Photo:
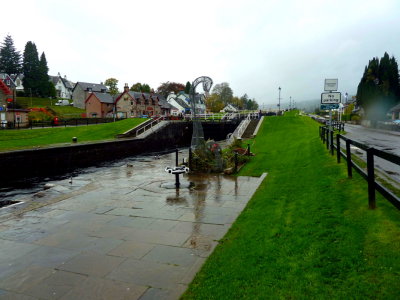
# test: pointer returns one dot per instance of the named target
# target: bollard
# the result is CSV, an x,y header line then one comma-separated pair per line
x,y
74,139
190,158
236,162
248,149
177,183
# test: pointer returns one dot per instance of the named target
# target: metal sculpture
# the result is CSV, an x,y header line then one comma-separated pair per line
x,y
198,142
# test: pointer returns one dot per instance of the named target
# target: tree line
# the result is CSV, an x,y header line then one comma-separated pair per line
x,y
379,88
33,68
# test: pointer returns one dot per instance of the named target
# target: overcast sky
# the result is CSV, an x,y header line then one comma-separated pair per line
x,y
255,46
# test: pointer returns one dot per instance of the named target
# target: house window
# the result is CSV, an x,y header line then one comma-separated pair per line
x,y
131,102
8,82
89,89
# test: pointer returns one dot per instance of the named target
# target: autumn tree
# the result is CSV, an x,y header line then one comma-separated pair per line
x,y
224,92
214,103
112,85
10,58
167,87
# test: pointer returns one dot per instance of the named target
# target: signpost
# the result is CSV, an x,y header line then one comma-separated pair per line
x,y
331,85
331,99
329,106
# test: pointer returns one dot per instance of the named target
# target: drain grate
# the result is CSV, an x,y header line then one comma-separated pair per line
x,y
7,203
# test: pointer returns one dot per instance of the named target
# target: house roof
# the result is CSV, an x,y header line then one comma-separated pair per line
x,y
5,77
135,95
54,79
103,97
395,108
96,87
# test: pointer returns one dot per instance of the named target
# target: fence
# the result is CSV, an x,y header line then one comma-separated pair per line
x,y
327,136
59,123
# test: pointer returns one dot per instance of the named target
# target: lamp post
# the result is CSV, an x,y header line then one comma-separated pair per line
x,y
279,103
290,103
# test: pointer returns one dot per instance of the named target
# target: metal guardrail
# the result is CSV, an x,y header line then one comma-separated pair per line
x,y
327,136
147,126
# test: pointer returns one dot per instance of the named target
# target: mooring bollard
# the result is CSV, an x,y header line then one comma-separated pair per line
x,y
236,162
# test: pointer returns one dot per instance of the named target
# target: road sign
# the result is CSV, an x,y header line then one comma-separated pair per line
x,y
331,98
331,85
329,106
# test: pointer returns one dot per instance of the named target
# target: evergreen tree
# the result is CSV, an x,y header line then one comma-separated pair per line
x,y
10,58
44,84
379,88
31,69
187,87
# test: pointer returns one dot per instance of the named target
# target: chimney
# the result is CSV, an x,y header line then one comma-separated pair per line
x,y
126,88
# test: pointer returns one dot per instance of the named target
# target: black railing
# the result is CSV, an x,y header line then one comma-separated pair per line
x,y
327,136
58,123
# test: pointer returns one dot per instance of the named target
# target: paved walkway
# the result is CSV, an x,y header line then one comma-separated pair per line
x,y
114,233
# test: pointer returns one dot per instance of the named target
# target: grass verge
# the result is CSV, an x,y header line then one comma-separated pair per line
x,y
307,233
30,138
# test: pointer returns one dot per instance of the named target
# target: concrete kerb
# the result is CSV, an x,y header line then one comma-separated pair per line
x,y
258,126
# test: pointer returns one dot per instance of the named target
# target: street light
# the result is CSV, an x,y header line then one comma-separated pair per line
x,y
279,104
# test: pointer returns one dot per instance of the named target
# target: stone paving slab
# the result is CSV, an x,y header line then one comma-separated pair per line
x,y
114,233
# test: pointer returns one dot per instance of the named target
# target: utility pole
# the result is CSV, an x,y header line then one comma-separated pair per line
x,y
290,103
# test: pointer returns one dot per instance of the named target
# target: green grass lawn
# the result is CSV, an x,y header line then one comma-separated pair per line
x,y
307,233
68,112
30,138
26,102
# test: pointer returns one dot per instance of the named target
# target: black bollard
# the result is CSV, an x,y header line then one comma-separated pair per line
x,y
190,158
236,162
177,184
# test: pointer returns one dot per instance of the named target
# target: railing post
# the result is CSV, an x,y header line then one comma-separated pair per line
x,y
327,138
332,147
349,163
323,134
338,148
371,178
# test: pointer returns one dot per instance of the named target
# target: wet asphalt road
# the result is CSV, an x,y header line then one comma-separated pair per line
x,y
388,141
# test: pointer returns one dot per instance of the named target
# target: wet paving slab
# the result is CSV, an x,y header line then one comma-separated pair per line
x,y
114,232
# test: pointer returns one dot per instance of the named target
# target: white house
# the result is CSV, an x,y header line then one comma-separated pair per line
x,y
63,86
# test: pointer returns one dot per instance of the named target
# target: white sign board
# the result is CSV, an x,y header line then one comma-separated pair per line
x,y
331,85
331,98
